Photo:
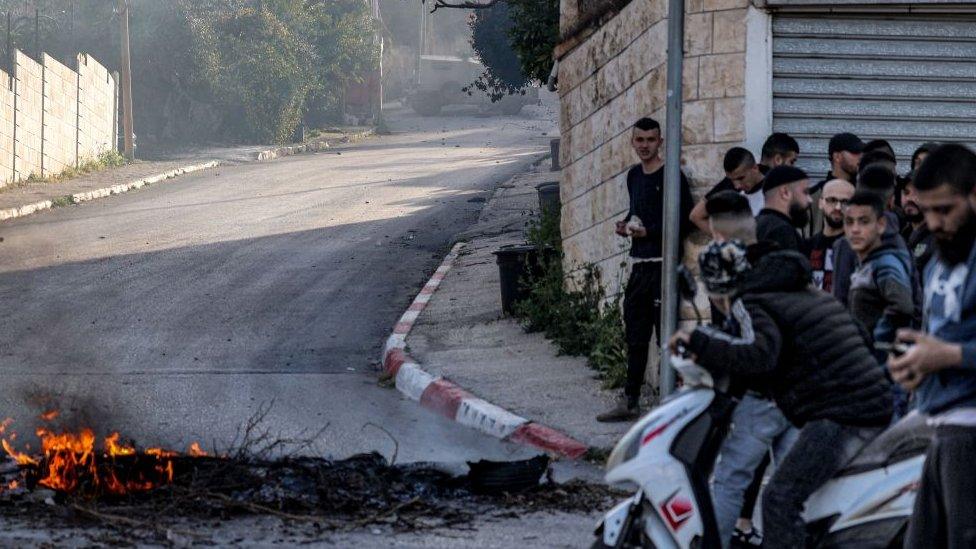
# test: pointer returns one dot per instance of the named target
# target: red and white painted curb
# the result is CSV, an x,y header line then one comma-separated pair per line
x,y
449,400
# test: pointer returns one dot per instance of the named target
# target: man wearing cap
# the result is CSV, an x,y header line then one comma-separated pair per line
x,y
844,152
787,195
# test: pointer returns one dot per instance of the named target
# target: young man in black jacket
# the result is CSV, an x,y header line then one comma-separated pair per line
x,y
802,348
644,225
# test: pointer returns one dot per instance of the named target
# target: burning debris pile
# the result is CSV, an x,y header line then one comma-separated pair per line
x,y
74,475
74,463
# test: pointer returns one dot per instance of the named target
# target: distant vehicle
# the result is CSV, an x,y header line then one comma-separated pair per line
x,y
442,82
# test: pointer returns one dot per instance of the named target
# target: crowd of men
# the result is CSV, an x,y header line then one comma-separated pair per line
x,y
848,301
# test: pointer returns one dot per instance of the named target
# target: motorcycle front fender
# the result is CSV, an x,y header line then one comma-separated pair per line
x,y
632,513
614,521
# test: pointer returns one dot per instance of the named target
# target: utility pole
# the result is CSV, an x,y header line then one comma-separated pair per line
x,y
672,189
129,150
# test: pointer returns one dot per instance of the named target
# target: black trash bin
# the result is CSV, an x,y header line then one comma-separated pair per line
x,y
549,197
514,263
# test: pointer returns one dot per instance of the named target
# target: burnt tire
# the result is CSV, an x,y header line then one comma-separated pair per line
x,y
494,478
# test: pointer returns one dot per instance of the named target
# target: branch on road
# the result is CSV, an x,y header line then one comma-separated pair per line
x,y
466,5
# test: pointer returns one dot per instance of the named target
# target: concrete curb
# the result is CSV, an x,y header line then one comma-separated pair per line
x,y
453,402
28,209
315,146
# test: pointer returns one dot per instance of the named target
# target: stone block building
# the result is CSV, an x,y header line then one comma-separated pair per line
x,y
903,72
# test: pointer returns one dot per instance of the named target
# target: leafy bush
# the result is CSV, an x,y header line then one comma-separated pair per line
x,y
515,40
580,322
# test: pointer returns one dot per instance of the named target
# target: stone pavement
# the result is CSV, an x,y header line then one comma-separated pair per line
x,y
463,336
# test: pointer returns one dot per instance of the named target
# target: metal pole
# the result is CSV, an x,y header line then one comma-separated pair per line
x,y
129,150
672,189
10,46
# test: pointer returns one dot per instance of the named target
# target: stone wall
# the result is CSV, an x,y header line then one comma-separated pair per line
x,y
29,114
619,74
97,108
60,117
6,127
53,118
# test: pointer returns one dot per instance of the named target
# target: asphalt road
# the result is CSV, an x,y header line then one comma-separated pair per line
x,y
175,313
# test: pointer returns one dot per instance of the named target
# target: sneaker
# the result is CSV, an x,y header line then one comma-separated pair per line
x,y
746,540
623,411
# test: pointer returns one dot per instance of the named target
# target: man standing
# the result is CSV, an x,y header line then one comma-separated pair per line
x,y
881,287
644,225
833,199
779,150
915,232
844,152
787,195
940,363
880,180
742,174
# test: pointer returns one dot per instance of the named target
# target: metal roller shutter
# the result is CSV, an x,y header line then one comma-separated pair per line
x,y
907,79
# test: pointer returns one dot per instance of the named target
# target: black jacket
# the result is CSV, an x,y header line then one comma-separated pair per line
x,y
812,357
646,193
773,226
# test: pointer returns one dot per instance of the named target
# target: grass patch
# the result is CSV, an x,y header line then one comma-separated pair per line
x,y
110,159
62,201
581,321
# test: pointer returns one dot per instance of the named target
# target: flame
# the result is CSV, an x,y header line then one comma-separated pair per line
x,y
50,415
116,449
74,461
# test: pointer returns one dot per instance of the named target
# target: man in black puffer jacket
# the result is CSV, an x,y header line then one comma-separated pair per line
x,y
802,348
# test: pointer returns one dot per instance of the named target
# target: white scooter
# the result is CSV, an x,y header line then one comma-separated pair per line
x,y
668,456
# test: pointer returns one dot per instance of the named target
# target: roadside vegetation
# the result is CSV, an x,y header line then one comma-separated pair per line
x,y
515,40
109,159
577,318
248,71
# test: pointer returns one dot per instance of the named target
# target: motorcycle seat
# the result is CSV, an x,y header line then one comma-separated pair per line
x,y
908,438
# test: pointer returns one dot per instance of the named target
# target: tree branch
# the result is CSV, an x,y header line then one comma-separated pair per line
x,y
467,5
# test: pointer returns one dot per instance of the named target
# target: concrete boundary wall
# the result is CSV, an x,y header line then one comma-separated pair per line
x,y
53,117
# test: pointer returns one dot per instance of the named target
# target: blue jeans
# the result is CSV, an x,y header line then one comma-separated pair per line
x,y
757,427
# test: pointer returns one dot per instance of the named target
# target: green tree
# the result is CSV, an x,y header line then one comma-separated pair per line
x,y
515,40
264,60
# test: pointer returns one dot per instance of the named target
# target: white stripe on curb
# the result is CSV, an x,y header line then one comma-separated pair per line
x,y
446,398
486,417
412,381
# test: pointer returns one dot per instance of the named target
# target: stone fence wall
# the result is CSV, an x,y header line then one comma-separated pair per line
x,y
53,117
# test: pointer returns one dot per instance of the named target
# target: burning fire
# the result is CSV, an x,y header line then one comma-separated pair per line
x,y
73,461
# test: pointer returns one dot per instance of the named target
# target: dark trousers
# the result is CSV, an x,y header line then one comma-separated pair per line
x,y
642,316
752,493
945,507
821,449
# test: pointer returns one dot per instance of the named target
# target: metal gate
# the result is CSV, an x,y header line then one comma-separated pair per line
x,y
905,78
